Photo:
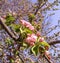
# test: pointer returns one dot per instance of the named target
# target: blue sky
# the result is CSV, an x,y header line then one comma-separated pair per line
x,y
52,19
34,1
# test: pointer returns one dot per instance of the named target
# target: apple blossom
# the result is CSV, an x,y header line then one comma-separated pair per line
x,y
38,33
27,24
31,28
22,22
32,44
31,39
41,39
28,39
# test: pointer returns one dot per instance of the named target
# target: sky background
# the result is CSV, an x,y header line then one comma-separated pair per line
x,y
53,19
34,1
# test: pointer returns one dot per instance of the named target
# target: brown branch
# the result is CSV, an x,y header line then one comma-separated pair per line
x,y
8,30
48,59
49,5
54,42
39,7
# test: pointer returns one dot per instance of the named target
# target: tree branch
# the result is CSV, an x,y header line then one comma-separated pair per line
x,y
39,7
48,59
8,30
49,5
54,42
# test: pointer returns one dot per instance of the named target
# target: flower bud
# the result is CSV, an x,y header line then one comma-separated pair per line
x,y
47,53
38,33
41,39
32,43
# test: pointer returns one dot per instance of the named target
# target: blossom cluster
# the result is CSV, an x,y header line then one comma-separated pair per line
x,y
27,24
31,39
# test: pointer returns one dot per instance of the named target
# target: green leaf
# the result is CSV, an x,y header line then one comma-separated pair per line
x,y
16,27
23,34
11,61
41,49
21,31
8,41
31,17
28,30
9,19
44,44
24,44
17,53
35,49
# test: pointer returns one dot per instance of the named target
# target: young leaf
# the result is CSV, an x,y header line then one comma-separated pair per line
x,y
45,44
8,41
9,19
11,60
28,30
15,27
24,44
35,49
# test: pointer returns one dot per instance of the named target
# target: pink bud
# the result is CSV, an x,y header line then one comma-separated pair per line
x,y
22,22
32,44
34,37
28,39
31,28
27,24
31,39
47,53
38,33
41,39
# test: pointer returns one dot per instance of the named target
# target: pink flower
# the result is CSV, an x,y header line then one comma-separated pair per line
x,y
34,37
32,43
31,39
38,33
31,28
27,24
22,22
28,39
41,39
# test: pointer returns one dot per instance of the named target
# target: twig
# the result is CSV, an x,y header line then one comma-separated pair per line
x,y
54,42
50,5
48,59
39,8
